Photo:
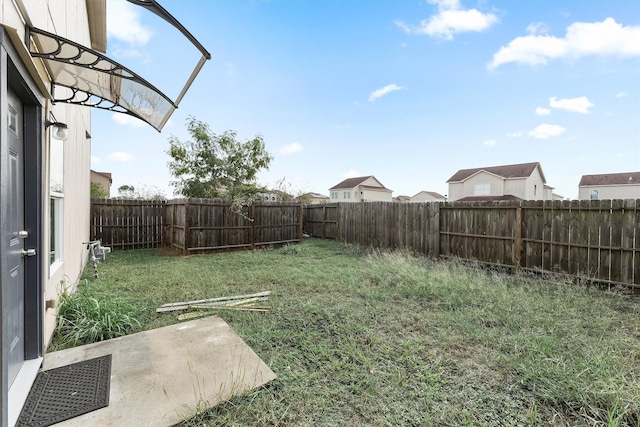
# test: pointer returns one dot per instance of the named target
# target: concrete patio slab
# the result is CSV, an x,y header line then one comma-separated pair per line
x,y
163,376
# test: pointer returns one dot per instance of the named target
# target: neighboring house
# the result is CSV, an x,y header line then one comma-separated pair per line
x,y
268,197
275,196
610,186
103,179
428,196
361,189
48,49
402,199
524,181
314,198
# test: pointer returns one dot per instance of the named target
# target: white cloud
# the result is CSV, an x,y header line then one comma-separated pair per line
x,y
545,131
489,142
95,160
120,156
621,94
537,28
515,134
379,93
127,120
291,148
606,38
543,111
352,173
578,105
123,23
450,19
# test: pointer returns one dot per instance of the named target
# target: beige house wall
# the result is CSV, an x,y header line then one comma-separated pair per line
x,y
369,195
535,187
456,191
496,187
516,187
610,192
102,181
67,18
424,197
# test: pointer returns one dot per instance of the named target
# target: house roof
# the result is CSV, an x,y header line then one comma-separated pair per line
x,y
431,193
316,195
521,170
626,178
354,182
488,198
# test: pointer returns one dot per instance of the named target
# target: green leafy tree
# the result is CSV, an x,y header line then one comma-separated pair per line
x,y
98,191
126,191
142,193
210,165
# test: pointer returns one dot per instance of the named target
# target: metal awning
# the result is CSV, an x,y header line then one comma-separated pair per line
x,y
80,75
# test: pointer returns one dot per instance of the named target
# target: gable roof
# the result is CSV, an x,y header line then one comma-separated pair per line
x,y
316,195
354,182
521,170
430,193
626,178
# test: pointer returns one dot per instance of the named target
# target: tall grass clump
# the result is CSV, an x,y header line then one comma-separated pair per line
x,y
84,318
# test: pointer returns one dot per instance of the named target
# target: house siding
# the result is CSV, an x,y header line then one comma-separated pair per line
x,y
610,192
456,191
375,196
424,197
496,186
70,22
516,187
102,181
534,189
68,19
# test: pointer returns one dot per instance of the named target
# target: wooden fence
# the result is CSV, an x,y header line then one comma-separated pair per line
x,y
596,240
127,224
206,224
193,224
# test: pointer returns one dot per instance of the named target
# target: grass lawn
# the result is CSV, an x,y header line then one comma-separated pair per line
x,y
360,337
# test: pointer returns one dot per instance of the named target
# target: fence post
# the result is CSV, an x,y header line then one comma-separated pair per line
x,y
517,243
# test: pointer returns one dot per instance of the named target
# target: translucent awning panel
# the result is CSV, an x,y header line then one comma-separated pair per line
x,y
83,76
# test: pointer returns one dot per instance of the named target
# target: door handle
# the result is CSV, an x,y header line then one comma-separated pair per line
x,y
28,252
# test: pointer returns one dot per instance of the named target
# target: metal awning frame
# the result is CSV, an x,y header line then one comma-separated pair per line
x,y
118,70
92,61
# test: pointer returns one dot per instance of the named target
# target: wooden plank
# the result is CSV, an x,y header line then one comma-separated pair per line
x,y
617,208
517,239
627,240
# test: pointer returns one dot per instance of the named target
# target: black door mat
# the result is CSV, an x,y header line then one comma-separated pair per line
x,y
66,392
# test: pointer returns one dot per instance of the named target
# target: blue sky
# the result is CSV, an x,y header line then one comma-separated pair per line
x,y
408,91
